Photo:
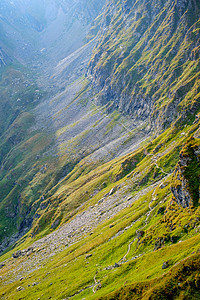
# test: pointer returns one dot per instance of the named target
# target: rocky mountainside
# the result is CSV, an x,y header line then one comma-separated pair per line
x,y
99,149
146,62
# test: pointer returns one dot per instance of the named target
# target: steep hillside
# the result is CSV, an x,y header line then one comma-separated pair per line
x,y
100,173
26,165
146,62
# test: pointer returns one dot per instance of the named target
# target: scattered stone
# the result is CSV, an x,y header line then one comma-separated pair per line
x,y
2,265
165,265
100,201
88,256
34,283
116,265
98,287
19,288
111,226
112,191
17,254
140,234
198,229
29,251
21,278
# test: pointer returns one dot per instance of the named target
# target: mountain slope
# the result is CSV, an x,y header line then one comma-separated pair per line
x,y
24,145
100,176
146,62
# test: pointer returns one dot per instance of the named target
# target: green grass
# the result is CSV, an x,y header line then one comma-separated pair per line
x,y
174,226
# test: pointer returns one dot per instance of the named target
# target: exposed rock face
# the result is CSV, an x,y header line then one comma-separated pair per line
x,y
180,192
185,184
138,59
165,265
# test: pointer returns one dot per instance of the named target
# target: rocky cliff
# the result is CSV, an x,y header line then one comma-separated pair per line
x,y
146,62
185,186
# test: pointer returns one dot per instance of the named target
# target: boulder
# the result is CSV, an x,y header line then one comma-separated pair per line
x,y
140,234
2,265
165,265
116,265
17,254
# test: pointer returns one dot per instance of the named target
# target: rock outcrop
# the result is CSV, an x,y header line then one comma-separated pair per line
x,y
185,183
137,63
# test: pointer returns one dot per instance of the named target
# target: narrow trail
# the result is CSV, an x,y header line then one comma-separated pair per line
x,y
96,283
153,198
122,260
155,160
157,166
78,292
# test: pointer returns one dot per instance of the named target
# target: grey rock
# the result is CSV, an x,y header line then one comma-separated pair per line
x,y
17,254
116,265
165,265
2,265
159,243
112,191
55,223
140,233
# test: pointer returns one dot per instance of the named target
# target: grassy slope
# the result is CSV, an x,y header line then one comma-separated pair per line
x,y
169,233
21,179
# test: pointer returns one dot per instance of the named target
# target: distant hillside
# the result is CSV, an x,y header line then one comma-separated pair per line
x,y
37,31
